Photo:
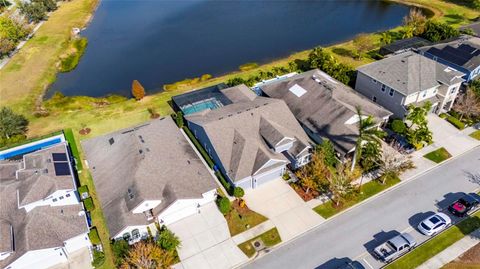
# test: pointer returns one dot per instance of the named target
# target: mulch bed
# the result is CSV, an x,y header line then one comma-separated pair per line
x,y
303,194
469,259
85,131
241,210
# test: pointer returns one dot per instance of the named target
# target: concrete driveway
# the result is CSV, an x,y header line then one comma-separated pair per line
x,y
206,241
79,259
281,204
447,136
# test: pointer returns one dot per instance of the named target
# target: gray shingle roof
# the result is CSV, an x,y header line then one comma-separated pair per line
x,y
44,226
240,132
152,161
325,106
410,72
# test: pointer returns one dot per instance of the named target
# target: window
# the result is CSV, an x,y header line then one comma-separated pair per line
x,y
67,195
452,91
54,199
374,99
384,87
61,197
424,94
374,80
392,91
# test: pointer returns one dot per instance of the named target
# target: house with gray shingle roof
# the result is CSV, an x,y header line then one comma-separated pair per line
x,y
145,174
251,140
324,107
462,54
409,79
42,221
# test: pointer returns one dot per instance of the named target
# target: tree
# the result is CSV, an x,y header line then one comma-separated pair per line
x,y
468,104
371,156
120,250
386,38
148,256
34,11
12,124
306,179
238,192
50,5
328,151
417,115
418,131
438,31
224,205
167,240
340,184
407,32
475,87
368,132
393,164
416,21
398,126
137,90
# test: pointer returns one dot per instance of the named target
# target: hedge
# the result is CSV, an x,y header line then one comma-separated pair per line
x,y
88,203
82,189
456,122
73,147
94,238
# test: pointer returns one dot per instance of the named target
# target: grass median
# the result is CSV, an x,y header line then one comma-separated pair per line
x,y
436,245
438,155
269,238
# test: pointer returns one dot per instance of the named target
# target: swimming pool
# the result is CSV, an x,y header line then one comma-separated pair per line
x,y
211,103
34,146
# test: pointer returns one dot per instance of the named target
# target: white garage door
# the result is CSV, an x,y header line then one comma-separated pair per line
x,y
178,215
266,177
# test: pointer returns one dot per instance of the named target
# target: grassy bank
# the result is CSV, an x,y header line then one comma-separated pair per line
x,y
70,59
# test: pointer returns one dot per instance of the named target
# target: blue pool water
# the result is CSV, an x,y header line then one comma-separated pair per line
x,y
204,105
28,149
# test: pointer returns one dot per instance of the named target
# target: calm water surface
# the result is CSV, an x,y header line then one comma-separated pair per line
x,y
159,42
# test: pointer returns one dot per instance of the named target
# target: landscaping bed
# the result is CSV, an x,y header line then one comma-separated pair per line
x,y
269,238
438,155
468,260
369,189
240,219
303,194
476,135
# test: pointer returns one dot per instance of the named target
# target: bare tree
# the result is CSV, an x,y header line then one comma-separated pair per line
x,y
393,164
340,183
468,104
416,21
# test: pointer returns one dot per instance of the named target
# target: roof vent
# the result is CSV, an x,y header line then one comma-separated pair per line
x,y
111,141
140,151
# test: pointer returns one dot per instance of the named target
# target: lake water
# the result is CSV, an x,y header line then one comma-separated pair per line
x,y
159,42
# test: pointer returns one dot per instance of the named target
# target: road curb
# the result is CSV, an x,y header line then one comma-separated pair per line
x,y
412,178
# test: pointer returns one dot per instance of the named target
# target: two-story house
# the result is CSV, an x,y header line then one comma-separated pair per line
x,y
462,54
409,79
251,140
42,221
146,174
325,107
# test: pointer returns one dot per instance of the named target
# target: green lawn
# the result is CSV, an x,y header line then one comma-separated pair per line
x,y
369,189
440,242
269,238
438,155
476,135
242,219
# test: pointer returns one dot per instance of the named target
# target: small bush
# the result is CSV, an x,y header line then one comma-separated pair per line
x,y
98,258
398,126
224,205
88,203
443,115
82,189
456,122
167,240
179,119
94,238
120,250
238,192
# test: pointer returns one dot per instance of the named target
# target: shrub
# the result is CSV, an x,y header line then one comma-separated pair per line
x,y
82,189
238,192
167,240
93,235
328,151
120,250
455,122
11,124
88,203
443,115
398,126
98,258
34,11
137,90
223,205
437,31
179,119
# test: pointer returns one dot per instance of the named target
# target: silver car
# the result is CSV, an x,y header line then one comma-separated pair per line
x,y
434,224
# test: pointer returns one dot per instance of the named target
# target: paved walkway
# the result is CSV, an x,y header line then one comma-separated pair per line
x,y
281,204
452,252
253,232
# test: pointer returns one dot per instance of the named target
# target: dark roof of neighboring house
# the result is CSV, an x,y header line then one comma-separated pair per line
x,y
411,72
463,51
152,161
325,106
43,226
404,44
240,132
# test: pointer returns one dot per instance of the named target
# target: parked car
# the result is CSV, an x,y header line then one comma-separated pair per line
x,y
352,265
401,142
434,224
464,205
394,247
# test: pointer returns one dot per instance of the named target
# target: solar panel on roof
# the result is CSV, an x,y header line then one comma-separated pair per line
x,y
61,168
59,157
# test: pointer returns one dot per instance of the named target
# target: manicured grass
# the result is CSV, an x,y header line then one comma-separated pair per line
x,y
88,203
242,219
93,235
476,135
73,147
369,189
440,242
82,189
269,238
438,155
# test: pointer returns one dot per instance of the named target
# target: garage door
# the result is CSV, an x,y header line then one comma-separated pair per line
x,y
266,177
178,214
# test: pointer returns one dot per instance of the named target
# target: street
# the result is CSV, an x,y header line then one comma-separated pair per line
x,y
352,234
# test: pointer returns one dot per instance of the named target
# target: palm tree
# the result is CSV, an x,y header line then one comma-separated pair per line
x,y
367,133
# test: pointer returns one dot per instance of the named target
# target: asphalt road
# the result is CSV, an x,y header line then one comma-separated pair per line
x,y
353,234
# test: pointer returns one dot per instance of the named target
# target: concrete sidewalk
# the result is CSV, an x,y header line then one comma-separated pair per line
x,y
451,253
253,232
